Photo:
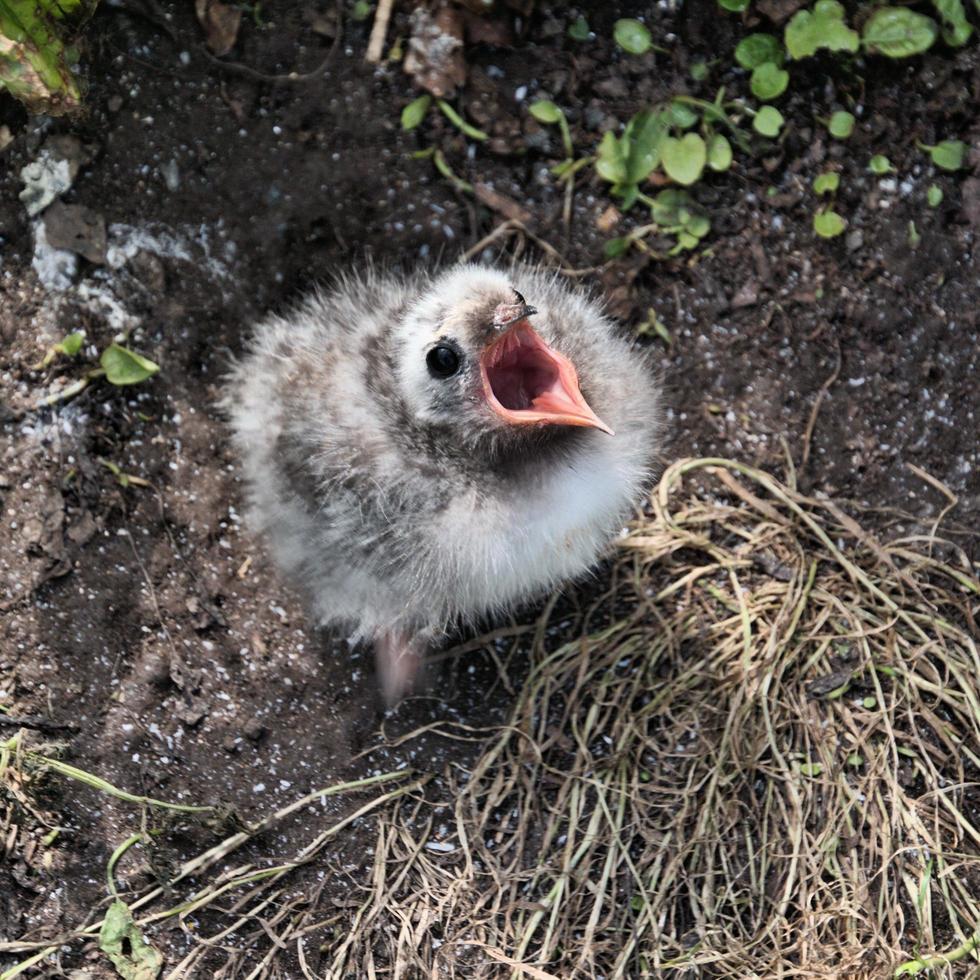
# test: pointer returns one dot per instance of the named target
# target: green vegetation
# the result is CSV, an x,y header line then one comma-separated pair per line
x,y
632,36
684,138
36,58
117,364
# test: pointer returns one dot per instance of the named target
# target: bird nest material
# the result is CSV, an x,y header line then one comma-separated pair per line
x,y
757,756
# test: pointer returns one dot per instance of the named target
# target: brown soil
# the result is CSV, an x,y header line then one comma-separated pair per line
x,y
147,622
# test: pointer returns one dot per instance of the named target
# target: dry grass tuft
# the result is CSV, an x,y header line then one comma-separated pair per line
x,y
757,756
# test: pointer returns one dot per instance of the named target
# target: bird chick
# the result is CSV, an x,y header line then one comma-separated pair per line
x,y
422,451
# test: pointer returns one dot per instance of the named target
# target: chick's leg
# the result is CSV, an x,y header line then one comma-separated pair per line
x,y
399,659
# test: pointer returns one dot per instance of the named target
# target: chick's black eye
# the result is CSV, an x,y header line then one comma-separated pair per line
x,y
443,361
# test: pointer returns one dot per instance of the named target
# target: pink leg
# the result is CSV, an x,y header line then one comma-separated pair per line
x,y
399,658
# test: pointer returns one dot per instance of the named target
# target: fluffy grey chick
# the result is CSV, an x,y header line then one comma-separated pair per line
x,y
421,451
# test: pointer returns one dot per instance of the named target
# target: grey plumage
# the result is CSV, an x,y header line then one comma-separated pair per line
x,y
396,497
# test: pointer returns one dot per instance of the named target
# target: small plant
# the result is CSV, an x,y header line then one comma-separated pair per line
x,y
880,165
934,196
69,346
841,124
768,121
118,365
827,183
947,155
673,212
827,223
627,160
415,112
822,28
632,36
578,30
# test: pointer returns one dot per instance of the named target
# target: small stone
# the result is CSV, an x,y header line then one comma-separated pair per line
x,y
254,730
854,240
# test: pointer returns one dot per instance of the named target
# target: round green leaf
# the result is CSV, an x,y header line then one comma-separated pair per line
x,y
768,121
698,225
361,10
699,71
828,224
768,81
899,32
827,182
934,196
682,116
578,30
125,367
632,36
72,344
880,164
684,159
719,153
735,6
841,124
415,111
757,49
545,111
949,154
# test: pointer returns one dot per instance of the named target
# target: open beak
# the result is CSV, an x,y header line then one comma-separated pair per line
x,y
527,382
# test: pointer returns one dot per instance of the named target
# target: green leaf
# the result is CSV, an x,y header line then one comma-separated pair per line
x,y
811,768
644,137
880,165
699,71
828,224
898,32
948,155
415,111
768,121
610,161
668,205
841,124
934,196
682,116
684,159
768,81
71,344
35,61
956,28
757,49
361,10
125,367
616,247
827,183
735,6
697,225
823,27
578,30
719,153
632,36
122,941
869,702
545,111
855,759
686,241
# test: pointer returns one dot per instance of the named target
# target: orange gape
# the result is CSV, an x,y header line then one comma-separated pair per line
x,y
526,382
